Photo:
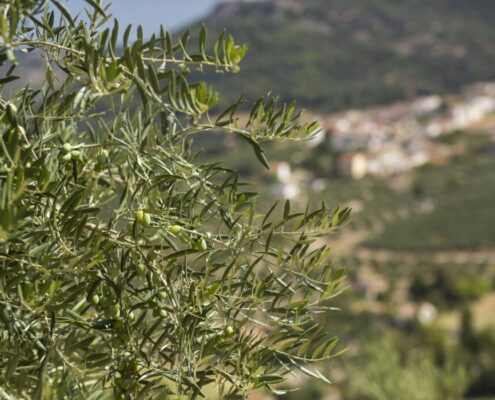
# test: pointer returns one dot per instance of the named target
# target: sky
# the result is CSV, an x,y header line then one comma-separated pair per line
x,y
173,14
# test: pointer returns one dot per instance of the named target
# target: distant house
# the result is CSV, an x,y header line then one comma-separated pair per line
x,y
288,183
390,141
359,165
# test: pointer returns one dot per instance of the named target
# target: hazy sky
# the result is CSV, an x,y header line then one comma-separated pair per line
x,y
172,14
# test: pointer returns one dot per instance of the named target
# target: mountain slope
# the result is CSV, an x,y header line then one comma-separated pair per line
x,y
334,54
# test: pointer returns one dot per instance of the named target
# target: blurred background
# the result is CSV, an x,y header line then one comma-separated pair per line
x,y
405,93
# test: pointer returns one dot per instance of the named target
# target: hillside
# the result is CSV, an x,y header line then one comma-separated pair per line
x,y
335,54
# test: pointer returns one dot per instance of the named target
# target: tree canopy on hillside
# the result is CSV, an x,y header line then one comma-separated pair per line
x,y
341,54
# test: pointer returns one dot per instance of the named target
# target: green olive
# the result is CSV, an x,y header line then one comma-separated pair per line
x,y
67,157
163,313
228,330
141,269
147,219
162,295
175,229
116,311
102,157
95,299
202,245
75,154
67,147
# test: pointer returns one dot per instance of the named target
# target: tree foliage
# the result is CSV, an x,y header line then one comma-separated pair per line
x,y
129,268
353,54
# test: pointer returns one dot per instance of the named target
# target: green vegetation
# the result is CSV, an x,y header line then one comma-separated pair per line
x,y
462,195
386,369
451,285
342,54
129,268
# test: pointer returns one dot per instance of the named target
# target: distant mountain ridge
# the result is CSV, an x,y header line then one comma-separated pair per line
x,y
337,54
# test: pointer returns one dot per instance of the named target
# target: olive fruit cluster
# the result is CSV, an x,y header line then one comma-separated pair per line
x,y
70,153
143,218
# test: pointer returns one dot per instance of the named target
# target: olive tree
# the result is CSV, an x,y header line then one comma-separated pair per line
x,y
129,266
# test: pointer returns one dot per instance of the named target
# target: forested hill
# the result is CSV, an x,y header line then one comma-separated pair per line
x,y
334,54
